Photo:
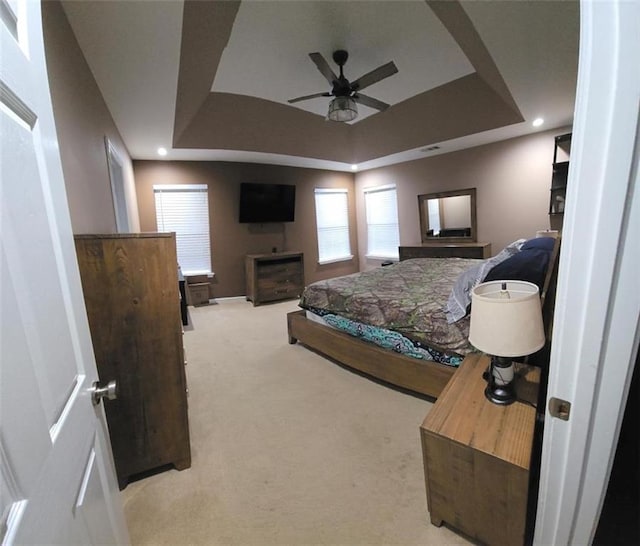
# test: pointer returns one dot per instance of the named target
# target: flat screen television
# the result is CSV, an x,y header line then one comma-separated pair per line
x,y
262,203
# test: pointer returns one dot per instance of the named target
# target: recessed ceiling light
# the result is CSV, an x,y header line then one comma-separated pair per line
x,y
162,151
354,167
537,122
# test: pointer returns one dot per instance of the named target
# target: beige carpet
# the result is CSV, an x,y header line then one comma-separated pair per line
x,y
287,447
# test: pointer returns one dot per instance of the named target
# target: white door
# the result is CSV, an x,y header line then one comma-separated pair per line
x,y
57,478
597,317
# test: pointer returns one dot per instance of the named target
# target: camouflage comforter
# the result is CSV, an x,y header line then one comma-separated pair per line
x,y
407,297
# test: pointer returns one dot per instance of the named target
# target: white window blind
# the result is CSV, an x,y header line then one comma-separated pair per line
x,y
381,206
332,223
433,207
184,209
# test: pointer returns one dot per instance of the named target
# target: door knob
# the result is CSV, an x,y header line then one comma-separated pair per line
x,y
109,391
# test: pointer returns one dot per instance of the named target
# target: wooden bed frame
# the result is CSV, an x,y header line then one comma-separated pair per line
x,y
420,376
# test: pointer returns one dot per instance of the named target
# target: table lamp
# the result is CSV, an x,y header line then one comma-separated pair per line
x,y
506,322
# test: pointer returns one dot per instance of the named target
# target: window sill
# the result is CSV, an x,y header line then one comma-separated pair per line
x,y
209,274
335,260
395,258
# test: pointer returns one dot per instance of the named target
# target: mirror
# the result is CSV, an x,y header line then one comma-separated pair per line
x,y
448,216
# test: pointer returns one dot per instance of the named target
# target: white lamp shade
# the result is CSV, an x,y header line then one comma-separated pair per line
x,y
506,322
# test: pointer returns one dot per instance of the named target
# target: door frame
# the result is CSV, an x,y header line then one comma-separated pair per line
x,y
597,325
115,167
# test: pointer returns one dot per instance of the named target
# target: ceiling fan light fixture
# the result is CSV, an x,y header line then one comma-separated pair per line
x,y
342,109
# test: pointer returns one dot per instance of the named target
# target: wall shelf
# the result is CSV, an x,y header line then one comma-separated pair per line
x,y
561,154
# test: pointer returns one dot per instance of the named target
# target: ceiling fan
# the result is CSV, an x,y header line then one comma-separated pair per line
x,y
347,94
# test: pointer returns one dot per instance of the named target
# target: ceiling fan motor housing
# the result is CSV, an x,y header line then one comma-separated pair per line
x,y
340,57
341,86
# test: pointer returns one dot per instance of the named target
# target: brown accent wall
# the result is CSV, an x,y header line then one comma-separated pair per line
x,y
230,240
512,180
82,122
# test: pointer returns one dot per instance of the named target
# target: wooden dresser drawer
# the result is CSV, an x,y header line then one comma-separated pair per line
x,y
279,270
280,292
409,252
279,281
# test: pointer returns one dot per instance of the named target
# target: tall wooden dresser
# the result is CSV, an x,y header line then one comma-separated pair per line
x,y
131,294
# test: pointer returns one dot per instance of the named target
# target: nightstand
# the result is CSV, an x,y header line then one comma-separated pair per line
x,y
476,455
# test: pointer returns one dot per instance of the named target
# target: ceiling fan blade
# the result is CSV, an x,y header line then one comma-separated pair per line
x,y
374,76
370,102
323,67
309,97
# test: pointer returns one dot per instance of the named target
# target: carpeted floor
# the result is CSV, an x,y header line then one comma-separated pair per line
x,y
287,447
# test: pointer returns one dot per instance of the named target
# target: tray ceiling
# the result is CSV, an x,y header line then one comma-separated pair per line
x,y
211,80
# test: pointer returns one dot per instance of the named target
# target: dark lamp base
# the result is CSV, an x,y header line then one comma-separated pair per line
x,y
500,394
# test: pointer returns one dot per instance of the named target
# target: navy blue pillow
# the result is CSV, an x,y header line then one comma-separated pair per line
x,y
543,243
527,265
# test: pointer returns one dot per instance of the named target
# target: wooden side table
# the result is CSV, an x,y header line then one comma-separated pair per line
x,y
476,455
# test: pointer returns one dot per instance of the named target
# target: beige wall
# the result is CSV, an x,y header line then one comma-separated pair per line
x,y
82,122
512,180
230,240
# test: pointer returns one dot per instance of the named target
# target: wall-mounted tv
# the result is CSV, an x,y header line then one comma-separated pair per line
x,y
262,203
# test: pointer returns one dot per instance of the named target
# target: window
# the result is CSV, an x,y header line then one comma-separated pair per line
x,y
332,222
433,206
184,209
382,222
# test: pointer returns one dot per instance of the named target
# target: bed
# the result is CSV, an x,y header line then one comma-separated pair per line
x,y
364,299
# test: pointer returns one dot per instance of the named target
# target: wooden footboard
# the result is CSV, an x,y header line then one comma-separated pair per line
x,y
421,376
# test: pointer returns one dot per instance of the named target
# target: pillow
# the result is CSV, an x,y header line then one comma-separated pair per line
x,y
528,265
460,296
542,243
510,249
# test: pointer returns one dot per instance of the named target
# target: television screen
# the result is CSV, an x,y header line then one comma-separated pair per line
x,y
262,203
